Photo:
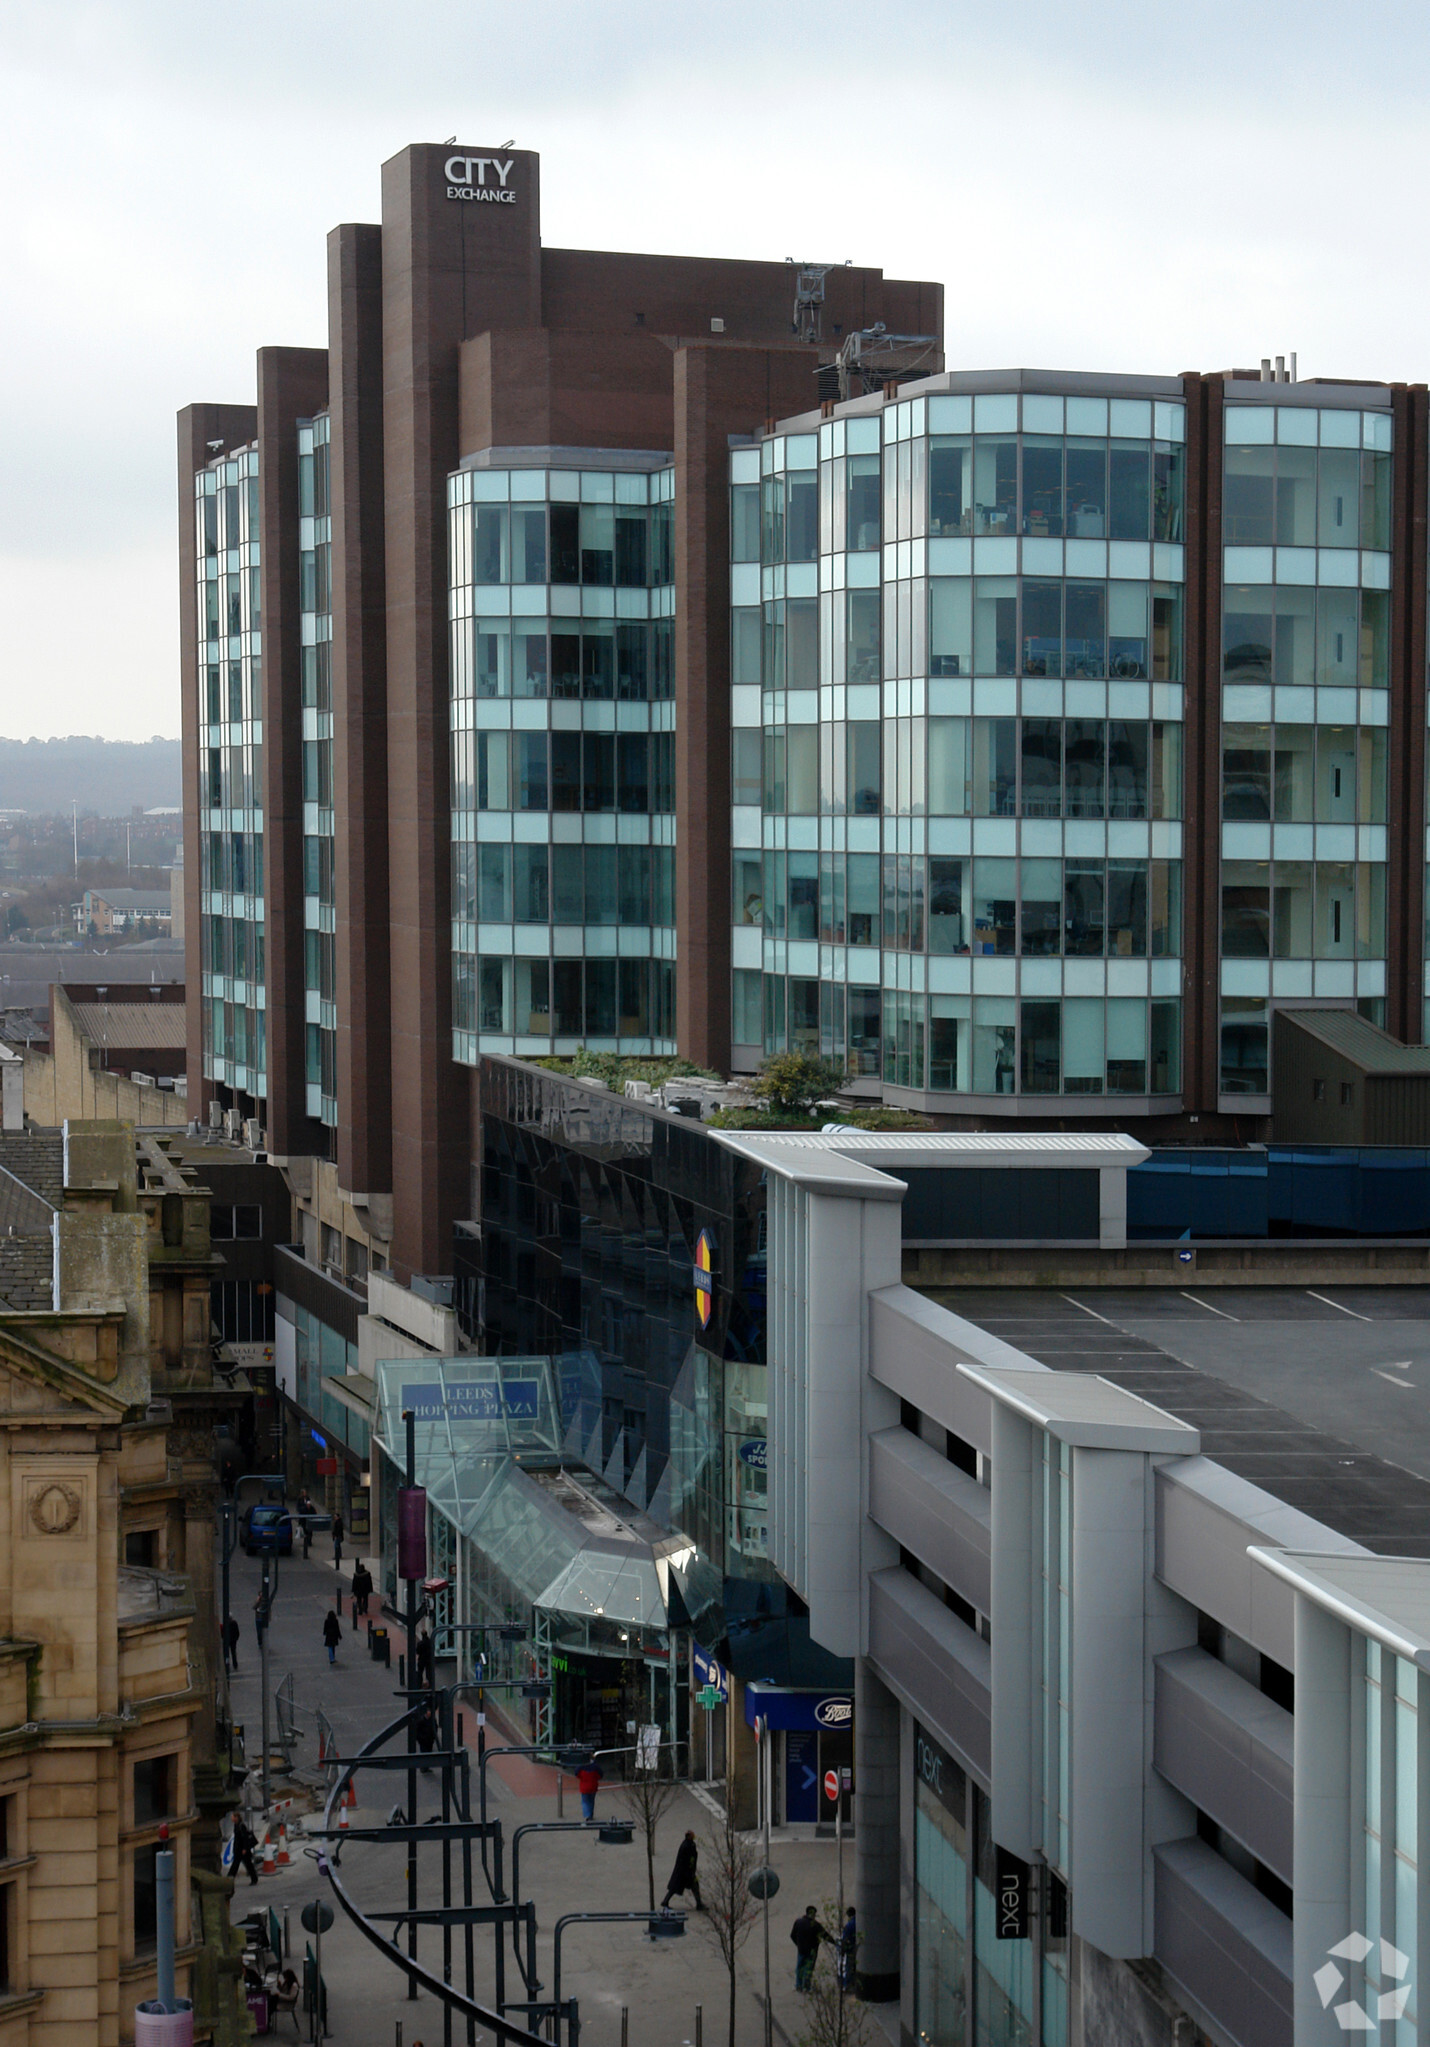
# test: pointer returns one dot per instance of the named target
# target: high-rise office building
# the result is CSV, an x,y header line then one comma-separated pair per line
x,y
660,654
1077,723
455,644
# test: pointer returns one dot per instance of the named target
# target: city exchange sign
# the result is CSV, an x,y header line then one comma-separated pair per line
x,y
482,178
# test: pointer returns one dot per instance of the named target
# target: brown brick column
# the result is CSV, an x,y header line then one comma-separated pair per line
x,y
364,988
1201,737
449,269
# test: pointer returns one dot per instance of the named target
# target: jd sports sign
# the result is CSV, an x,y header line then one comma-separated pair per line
x,y
480,178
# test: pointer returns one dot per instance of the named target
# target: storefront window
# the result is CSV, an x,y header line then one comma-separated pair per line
x,y
1003,1969
940,1895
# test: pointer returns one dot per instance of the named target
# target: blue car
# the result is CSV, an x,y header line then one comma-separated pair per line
x,y
268,1527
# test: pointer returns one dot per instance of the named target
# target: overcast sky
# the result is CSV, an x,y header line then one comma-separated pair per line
x,y
1149,187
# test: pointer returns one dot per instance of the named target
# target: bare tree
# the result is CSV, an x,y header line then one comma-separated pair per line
x,y
730,1910
834,2016
649,1796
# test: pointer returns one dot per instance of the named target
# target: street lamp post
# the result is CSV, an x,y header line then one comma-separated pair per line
x,y
611,1834
266,1597
670,1924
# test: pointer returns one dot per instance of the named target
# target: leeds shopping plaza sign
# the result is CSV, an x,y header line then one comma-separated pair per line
x,y
482,178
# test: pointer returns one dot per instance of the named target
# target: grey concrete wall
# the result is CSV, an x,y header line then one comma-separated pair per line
x,y
933,1509
1207,1518
1228,1749
934,1665
1120,2005
1224,1944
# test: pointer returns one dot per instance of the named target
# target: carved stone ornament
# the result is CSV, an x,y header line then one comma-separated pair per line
x,y
55,1508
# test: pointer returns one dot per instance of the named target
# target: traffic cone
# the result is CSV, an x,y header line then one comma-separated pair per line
x,y
270,1864
350,1795
342,1819
283,1855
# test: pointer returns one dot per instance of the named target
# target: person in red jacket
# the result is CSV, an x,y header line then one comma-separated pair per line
x,y
588,1780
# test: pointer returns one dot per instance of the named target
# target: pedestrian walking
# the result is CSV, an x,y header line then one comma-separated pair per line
x,y
806,1933
424,1733
230,1642
684,1876
337,1540
244,1843
588,1783
362,1588
307,1513
423,1672
846,1951
332,1634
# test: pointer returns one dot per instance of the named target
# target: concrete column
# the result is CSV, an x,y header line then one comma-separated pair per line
x,y
1108,1771
1016,1767
876,1858
1321,1868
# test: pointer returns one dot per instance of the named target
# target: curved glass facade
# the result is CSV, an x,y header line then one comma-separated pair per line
x,y
957,705
1305,659
230,724
563,758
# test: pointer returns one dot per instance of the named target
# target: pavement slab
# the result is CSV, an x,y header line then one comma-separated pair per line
x,y
608,1967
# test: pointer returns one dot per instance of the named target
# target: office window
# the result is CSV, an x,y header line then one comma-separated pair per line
x,y
153,1790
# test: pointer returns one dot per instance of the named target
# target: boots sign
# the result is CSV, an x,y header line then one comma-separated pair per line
x,y
480,178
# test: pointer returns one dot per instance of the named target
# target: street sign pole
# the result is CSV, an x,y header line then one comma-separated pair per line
x,y
762,1727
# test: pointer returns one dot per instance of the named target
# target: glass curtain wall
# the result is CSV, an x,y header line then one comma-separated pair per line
x,y
1305,712
315,583
956,668
230,725
563,746
972,1989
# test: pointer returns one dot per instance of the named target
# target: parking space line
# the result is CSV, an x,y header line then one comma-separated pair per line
x,y
1326,1299
1391,1379
1208,1306
1090,1311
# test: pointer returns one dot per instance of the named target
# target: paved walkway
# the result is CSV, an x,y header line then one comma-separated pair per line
x,y
607,1966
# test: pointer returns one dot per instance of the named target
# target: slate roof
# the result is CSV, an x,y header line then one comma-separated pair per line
x,y
156,1026
31,1190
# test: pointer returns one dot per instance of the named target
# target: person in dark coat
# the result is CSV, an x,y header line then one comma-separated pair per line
x,y
230,1642
424,1733
806,1933
306,1512
244,1843
337,1540
684,1876
332,1634
847,1948
362,1588
423,1659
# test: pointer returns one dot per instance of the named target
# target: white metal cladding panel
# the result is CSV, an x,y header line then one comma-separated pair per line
x,y
788,1381
836,1252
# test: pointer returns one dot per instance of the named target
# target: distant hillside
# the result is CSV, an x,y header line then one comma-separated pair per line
x,y
105,775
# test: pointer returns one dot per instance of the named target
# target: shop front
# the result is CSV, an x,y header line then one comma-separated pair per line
x,y
810,1734
555,1589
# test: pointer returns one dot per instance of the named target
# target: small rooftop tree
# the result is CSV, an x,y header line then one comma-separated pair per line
x,y
794,1083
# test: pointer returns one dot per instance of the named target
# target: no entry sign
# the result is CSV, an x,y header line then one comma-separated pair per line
x,y
831,1785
